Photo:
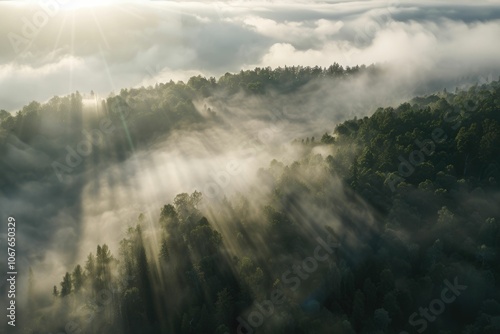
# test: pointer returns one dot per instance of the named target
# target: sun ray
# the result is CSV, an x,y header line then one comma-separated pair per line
x,y
100,30
113,87
130,12
72,52
79,4
59,34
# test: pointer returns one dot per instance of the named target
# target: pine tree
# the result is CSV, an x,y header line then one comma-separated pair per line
x,y
66,285
90,271
77,278
164,253
103,262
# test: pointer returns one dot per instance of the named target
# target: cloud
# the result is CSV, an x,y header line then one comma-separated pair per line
x,y
110,47
302,34
281,54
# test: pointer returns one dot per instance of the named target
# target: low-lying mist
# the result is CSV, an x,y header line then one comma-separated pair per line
x,y
138,154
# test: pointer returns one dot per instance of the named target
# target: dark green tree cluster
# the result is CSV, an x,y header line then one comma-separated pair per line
x,y
285,79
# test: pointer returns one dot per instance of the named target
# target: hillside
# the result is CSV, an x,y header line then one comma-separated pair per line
x,y
372,225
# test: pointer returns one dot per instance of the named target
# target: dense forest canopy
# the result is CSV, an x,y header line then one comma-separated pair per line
x,y
357,228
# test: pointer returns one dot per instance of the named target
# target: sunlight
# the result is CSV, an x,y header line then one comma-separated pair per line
x,y
76,4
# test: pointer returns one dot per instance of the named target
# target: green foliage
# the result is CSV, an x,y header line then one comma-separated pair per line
x,y
381,319
66,285
224,308
77,278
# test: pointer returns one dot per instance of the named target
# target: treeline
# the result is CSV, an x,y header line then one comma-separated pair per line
x,y
135,117
161,107
282,79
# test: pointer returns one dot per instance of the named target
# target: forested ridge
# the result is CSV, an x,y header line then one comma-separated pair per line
x,y
404,202
138,116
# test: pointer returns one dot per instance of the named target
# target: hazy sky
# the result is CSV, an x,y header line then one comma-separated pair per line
x,y
111,46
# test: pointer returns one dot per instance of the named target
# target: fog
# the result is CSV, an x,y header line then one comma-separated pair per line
x,y
64,221
408,51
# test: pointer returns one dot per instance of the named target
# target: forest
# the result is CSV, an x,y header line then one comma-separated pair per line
x,y
384,222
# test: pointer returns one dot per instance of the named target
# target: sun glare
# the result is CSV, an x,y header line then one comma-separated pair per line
x,y
76,4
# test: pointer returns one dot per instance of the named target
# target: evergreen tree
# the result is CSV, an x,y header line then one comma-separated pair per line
x,y
77,278
66,285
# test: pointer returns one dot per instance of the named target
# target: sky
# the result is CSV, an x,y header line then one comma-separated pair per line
x,y
57,47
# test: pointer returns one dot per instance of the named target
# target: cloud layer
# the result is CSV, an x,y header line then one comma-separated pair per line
x,y
58,50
